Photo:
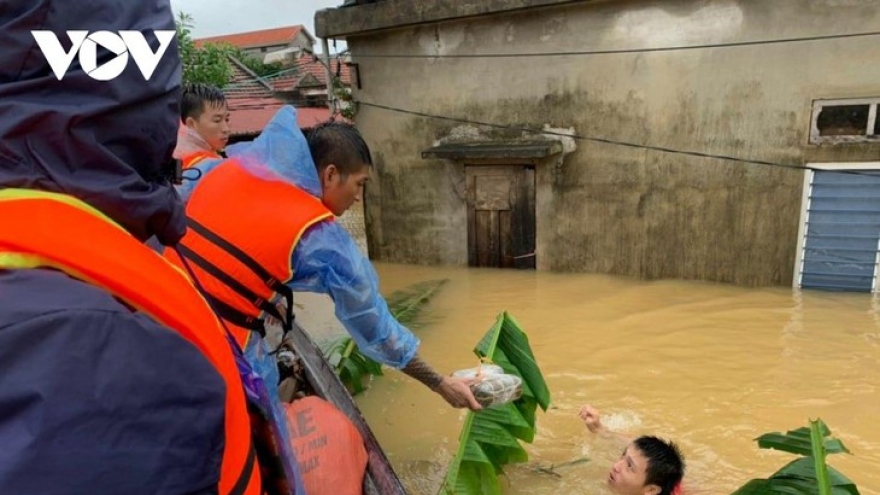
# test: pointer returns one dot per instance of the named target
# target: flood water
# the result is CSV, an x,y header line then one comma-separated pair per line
x,y
710,366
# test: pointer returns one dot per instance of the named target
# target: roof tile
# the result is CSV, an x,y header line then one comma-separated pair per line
x,y
250,39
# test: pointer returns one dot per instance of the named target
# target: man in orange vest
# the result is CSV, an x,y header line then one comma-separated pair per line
x,y
116,375
262,226
204,129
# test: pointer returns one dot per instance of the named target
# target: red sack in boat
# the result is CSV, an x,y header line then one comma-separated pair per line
x,y
329,448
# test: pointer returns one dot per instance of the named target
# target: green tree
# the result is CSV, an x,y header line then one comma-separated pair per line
x,y
208,64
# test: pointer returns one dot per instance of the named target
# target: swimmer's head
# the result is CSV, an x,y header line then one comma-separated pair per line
x,y
648,466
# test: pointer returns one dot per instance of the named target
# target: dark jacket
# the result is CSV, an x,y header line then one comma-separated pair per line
x,y
96,398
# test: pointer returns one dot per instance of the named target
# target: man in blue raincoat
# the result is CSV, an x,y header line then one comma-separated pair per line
x,y
324,176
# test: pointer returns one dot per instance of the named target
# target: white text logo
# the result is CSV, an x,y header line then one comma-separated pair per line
x,y
123,44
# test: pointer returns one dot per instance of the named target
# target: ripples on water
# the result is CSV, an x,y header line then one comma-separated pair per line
x,y
710,366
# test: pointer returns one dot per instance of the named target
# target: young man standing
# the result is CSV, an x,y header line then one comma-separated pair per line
x,y
204,130
262,225
648,465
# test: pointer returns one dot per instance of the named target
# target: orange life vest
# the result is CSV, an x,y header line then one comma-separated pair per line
x,y
33,234
193,159
242,232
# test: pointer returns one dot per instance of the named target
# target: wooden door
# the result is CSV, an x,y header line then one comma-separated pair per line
x,y
501,216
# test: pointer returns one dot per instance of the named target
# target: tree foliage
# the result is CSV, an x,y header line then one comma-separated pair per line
x,y
208,64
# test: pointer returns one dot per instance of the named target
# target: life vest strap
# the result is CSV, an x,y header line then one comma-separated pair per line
x,y
255,267
247,472
230,282
238,254
236,317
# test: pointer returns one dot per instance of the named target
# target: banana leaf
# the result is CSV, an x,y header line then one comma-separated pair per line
x,y
799,477
349,364
790,486
807,475
805,469
407,307
799,442
490,439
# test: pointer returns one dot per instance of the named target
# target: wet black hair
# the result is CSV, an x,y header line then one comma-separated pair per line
x,y
196,96
665,463
340,144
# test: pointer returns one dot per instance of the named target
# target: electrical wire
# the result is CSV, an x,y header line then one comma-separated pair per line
x,y
614,142
732,44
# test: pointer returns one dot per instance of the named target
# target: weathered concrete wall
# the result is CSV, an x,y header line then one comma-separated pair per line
x,y
608,208
384,14
353,222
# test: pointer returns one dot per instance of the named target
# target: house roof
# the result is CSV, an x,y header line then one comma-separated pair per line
x,y
252,103
254,39
493,150
250,116
308,64
309,72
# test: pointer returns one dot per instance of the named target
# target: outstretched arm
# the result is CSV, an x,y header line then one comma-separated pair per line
x,y
455,391
592,420
327,260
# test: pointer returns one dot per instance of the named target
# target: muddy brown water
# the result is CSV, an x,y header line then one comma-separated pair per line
x,y
711,366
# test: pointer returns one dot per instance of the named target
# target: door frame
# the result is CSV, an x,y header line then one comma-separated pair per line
x,y
511,169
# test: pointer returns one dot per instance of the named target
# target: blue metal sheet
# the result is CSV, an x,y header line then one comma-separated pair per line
x,y
842,231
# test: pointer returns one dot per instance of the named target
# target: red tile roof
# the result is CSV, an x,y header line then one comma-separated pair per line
x,y
312,116
252,104
308,65
286,81
251,39
245,85
250,116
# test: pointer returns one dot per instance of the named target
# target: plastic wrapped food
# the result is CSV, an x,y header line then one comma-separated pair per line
x,y
482,369
492,387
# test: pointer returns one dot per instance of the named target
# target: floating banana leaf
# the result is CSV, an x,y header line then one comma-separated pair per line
x,y
406,306
491,438
807,475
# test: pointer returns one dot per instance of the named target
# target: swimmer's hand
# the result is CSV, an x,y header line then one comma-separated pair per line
x,y
590,416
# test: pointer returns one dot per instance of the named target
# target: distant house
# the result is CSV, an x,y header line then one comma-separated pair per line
x,y
284,44
636,83
253,100
306,81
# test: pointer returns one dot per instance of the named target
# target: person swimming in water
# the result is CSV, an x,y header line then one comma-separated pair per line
x,y
648,466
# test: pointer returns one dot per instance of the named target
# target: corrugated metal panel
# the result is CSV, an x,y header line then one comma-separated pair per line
x,y
842,231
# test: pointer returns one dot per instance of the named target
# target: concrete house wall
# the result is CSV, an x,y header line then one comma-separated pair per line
x,y
601,207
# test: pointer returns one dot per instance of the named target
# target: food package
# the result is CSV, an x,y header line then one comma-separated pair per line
x,y
492,387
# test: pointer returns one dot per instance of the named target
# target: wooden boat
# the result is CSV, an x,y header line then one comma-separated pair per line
x,y
380,478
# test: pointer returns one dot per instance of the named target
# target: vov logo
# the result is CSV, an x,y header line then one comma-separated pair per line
x,y
86,45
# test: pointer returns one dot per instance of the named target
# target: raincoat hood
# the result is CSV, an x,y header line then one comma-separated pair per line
x,y
190,141
105,142
282,148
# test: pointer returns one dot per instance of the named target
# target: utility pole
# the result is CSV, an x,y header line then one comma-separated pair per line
x,y
331,97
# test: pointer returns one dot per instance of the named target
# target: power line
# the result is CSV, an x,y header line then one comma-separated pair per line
x,y
614,142
630,50
292,71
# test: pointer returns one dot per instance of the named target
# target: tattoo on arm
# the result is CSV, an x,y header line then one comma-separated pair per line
x,y
423,372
